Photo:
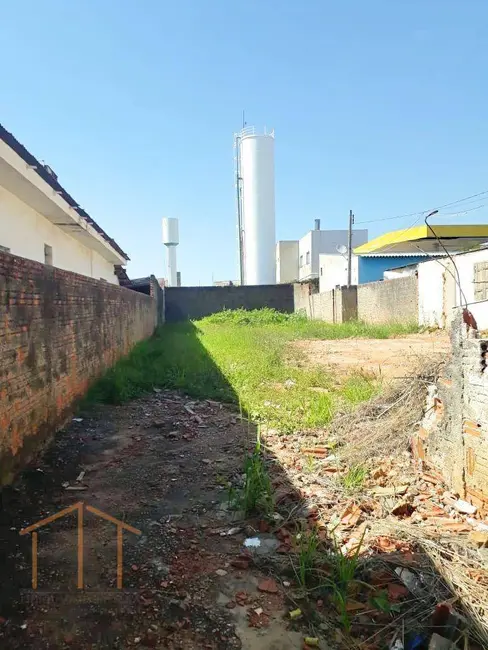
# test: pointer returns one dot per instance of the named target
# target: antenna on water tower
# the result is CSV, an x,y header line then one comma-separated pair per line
x,y
171,241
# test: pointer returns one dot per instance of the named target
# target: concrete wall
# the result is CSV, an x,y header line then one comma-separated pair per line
x,y
335,306
58,332
388,301
286,261
191,303
24,231
453,438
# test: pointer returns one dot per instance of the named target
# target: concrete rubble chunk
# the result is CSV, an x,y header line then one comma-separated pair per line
x,y
465,508
438,642
221,572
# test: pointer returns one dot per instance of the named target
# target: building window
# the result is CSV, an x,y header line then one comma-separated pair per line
x,y
4,249
301,261
307,258
481,281
321,270
48,255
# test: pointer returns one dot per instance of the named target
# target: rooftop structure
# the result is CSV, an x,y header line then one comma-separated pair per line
x,y
420,239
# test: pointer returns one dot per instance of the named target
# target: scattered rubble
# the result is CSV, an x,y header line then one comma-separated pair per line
x,y
402,517
415,542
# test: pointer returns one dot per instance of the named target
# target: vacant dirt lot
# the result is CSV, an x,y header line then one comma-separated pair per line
x,y
160,464
391,358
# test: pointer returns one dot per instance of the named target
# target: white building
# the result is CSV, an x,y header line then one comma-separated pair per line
x,y
286,261
315,243
333,271
40,221
448,283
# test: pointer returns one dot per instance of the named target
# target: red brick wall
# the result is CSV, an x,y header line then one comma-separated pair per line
x,y
58,332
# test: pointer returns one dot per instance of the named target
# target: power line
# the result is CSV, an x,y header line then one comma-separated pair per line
x,y
399,216
422,212
473,196
457,214
402,232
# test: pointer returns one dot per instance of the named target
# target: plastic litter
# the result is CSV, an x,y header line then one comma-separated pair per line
x,y
410,580
252,542
396,644
417,642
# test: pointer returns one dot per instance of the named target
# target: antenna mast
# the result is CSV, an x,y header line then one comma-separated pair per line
x,y
239,205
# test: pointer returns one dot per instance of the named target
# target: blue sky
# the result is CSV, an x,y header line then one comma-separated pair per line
x,y
377,106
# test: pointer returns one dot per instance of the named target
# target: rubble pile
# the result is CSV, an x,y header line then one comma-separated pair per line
x,y
420,546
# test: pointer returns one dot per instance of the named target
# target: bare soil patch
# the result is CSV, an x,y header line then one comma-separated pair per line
x,y
161,464
391,358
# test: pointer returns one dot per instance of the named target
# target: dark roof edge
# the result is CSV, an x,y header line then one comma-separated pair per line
x,y
21,151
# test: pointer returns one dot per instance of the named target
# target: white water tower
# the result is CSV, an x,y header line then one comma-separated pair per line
x,y
171,241
256,206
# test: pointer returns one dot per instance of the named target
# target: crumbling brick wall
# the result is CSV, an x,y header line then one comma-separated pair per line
x,y
453,437
58,332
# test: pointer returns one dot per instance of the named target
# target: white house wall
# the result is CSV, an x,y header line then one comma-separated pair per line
x,y
304,247
431,293
286,261
25,232
317,242
439,291
333,271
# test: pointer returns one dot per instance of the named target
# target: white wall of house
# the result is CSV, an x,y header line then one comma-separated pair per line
x,y
317,242
404,272
333,271
305,257
431,279
439,291
25,232
286,261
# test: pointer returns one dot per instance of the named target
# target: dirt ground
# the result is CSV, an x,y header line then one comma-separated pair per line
x,y
390,358
160,464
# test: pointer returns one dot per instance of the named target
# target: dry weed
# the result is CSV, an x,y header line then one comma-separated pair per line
x,y
383,426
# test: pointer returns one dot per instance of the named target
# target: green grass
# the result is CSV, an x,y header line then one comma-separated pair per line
x,y
344,570
243,357
354,479
256,494
298,326
308,549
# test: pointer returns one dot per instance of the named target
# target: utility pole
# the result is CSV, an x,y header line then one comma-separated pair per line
x,y
349,249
